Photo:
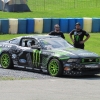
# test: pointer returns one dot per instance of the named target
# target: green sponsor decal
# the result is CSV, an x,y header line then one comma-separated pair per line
x,y
77,38
62,54
72,49
63,58
36,57
0,50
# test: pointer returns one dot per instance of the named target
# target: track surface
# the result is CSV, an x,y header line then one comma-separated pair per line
x,y
44,87
23,73
87,88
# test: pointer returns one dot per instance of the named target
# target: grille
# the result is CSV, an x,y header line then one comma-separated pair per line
x,y
90,60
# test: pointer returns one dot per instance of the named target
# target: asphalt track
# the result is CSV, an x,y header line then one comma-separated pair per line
x,y
51,89
44,87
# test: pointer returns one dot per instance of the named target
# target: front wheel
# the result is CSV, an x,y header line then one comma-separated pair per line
x,y
6,61
55,68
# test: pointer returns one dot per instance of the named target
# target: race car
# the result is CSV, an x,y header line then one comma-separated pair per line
x,y
48,53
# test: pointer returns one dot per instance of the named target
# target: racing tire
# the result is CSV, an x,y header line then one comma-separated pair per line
x,y
54,68
6,61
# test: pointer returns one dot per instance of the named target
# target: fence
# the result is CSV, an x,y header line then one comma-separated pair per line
x,y
45,25
64,4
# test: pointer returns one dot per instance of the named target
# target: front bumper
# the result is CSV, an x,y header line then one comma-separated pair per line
x,y
81,69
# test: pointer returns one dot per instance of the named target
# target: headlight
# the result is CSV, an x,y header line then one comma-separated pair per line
x,y
72,60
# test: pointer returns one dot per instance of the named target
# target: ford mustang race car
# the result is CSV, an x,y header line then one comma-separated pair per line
x,y
48,53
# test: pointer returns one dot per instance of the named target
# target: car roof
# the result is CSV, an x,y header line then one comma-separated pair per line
x,y
36,36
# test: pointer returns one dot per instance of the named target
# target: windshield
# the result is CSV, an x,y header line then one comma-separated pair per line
x,y
54,43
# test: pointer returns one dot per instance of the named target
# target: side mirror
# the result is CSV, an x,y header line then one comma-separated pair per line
x,y
36,47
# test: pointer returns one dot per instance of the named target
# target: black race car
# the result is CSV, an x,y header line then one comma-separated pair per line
x,y
48,53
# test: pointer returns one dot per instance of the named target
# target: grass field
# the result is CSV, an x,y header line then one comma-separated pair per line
x,y
5,78
58,8
92,44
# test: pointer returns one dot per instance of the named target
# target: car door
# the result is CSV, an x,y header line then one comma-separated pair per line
x,y
31,52
36,54
25,55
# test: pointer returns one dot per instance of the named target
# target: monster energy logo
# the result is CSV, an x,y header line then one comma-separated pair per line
x,y
36,57
77,38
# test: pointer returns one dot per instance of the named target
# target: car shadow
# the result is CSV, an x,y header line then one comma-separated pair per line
x,y
87,77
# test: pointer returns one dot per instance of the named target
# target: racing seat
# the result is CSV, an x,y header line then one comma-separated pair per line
x,y
30,43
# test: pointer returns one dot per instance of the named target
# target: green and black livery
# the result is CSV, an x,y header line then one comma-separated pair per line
x,y
49,53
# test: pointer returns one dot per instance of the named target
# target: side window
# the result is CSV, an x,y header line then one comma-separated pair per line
x,y
28,42
31,42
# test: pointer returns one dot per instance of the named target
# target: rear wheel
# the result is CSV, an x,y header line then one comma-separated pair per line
x,y
6,61
55,68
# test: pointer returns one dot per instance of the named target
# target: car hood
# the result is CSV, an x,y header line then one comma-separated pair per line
x,y
74,53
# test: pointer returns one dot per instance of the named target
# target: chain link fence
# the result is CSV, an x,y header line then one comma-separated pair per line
x,y
64,4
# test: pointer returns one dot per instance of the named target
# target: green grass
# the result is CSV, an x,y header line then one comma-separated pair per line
x,y
5,78
10,36
58,8
92,44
